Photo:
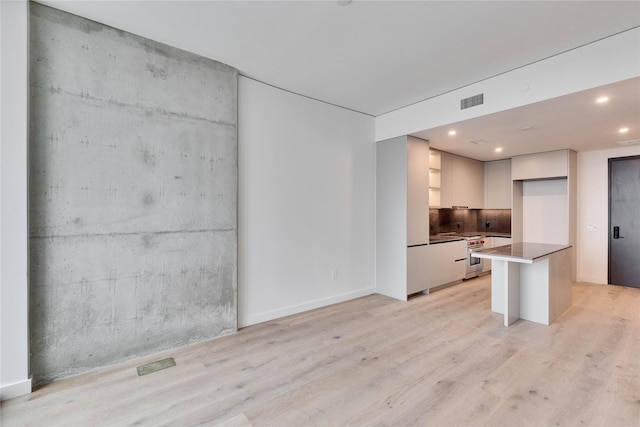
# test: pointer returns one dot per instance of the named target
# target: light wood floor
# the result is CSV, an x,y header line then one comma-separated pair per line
x,y
438,360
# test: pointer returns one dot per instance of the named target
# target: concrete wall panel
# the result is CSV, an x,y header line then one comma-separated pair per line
x,y
133,195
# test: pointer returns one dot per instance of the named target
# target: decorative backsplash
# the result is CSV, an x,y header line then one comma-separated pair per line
x,y
469,220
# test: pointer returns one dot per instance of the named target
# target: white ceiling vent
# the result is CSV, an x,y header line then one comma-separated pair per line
x,y
472,101
478,141
629,142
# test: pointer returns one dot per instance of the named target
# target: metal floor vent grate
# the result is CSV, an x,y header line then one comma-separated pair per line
x,y
152,367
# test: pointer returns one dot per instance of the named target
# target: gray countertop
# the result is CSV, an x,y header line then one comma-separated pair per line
x,y
523,252
443,238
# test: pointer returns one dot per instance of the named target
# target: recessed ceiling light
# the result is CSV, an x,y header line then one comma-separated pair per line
x,y
623,130
602,99
499,149
452,132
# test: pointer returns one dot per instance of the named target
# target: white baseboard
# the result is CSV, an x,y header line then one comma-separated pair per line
x,y
592,279
299,308
15,390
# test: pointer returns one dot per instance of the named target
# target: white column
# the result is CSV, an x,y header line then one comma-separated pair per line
x,y
14,305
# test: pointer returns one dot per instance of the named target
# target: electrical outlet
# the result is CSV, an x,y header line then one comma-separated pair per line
x,y
334,274
487,224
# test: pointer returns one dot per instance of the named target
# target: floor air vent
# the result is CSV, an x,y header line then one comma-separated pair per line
x,y
472,101
156,366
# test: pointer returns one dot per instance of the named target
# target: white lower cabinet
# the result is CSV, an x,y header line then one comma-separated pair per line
x,y
446,262
493,242
501,241
486,263
417,269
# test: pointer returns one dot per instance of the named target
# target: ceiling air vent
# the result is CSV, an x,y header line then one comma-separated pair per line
x,y
629,142
472,101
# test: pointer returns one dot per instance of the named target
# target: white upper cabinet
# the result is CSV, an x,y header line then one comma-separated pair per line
x,y
551,164
461,182
417,191
497,184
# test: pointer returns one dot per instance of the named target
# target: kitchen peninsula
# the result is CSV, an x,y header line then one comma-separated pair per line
x,y
530,281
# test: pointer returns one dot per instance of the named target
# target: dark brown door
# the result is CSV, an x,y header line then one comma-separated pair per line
x,y
624,221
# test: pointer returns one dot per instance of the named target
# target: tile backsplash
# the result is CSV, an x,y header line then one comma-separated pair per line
x,y
469,220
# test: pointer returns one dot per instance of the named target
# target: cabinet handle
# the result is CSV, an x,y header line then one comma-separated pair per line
x,y
461,259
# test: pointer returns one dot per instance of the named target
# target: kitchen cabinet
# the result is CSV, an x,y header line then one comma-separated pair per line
x,y
493,242
501,241
486,263
417,191
461,182
417,269
544,199
551,164
402,214
446,262
497,184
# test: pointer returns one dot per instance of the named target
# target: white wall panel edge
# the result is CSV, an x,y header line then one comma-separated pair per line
x,y
14,303
613,59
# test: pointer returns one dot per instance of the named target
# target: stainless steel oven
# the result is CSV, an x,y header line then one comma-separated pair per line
x,y
473,265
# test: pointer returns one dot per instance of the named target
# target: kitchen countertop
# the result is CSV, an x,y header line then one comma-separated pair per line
x,y
445,237
522,252
486,234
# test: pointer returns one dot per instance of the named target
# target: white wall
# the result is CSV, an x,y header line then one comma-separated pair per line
x,y
593,211
14,333
306,203
606,61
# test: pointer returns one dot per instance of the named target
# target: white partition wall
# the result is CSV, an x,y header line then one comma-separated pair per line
x,y
306,203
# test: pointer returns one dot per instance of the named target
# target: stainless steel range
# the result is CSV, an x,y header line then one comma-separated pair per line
x,y
473,266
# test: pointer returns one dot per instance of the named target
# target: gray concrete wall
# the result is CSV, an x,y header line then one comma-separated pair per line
x,y
133,196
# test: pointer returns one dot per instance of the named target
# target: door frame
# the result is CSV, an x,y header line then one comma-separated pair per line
x,y
609,224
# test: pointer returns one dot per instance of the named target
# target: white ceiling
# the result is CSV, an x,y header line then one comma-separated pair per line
x,y
573,121
378,56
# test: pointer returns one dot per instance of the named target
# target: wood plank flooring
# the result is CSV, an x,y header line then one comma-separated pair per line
x,y
437,360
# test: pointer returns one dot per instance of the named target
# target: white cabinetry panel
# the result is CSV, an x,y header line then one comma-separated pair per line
x,y
417,269
552,164
486,263
462,182
497,184
417,191
447,262
501,241
402,214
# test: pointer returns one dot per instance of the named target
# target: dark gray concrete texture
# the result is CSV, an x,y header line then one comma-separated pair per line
x,y
133,196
